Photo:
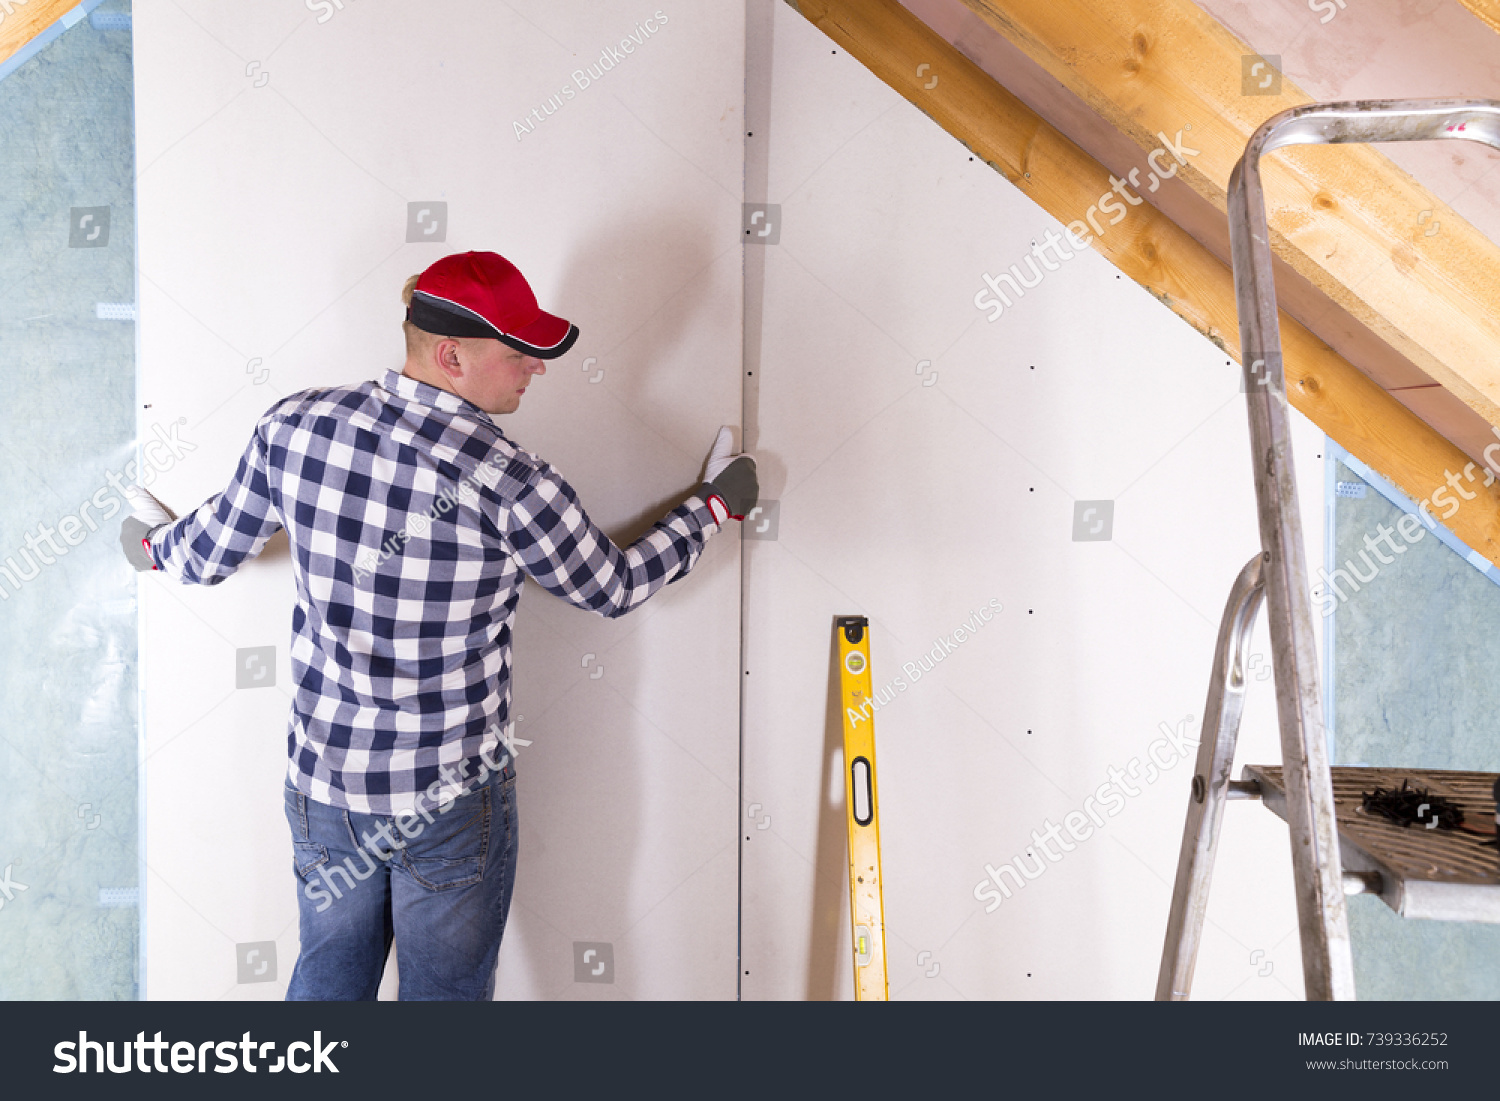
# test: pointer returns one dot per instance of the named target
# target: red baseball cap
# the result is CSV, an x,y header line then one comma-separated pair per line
x,y
482,294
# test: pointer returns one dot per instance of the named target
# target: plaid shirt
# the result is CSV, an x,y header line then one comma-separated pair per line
x,y
413,522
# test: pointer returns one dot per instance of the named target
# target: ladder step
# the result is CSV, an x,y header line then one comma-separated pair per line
x,y
1437,874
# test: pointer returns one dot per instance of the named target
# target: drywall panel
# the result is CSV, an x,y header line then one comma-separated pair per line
x,y
297,163
928,458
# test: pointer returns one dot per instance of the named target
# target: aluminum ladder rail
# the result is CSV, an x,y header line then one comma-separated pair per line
x,y
1280,571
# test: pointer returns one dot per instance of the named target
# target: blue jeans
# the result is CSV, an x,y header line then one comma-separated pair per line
x,y
441,889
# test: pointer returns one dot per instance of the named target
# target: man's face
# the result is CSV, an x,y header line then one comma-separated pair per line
x,y
494,375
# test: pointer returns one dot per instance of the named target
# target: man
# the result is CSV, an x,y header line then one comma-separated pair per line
x,y
413,522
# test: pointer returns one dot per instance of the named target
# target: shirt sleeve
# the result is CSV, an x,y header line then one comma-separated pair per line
x,y
208,545
563,551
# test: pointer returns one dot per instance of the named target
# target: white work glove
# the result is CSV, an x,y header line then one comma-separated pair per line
x,y
729,482
147,509
147,515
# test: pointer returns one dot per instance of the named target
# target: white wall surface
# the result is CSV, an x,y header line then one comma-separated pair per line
x,y
277,159
273,220
915,503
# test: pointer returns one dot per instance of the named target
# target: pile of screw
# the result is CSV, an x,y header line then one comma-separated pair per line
x,y
1407,805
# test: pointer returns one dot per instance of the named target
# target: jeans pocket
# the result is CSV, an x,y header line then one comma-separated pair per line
x,y
307,854
450,850
308,857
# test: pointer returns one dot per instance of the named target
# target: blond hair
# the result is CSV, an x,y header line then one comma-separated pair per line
x,y
416,339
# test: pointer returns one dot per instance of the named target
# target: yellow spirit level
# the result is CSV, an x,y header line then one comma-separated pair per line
x,y
866,902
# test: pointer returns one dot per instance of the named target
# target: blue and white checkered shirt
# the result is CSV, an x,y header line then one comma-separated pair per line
x,y
413,521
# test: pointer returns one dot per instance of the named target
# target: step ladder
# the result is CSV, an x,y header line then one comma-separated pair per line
x,y
1302,789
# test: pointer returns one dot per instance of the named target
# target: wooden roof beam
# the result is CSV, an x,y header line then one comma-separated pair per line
x,y
23,20
1487,10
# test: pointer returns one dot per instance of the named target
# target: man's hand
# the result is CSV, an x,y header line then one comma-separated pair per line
x,y
148,514
729,481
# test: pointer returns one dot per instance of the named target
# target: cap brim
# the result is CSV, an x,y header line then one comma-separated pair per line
x,y
546,338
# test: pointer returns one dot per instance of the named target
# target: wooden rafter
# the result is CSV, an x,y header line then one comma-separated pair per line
x,y
1487,10
1149,248
23,20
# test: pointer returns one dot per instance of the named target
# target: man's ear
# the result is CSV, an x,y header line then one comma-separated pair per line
x,y
445,354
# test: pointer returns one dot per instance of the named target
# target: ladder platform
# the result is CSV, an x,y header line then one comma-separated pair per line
x,y
1438,874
